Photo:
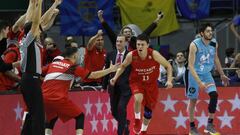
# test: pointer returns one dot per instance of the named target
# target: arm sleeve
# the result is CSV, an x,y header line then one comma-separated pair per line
x,y
112,36
106,78
150,29
81,72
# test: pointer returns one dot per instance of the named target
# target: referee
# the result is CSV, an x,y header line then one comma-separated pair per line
x,y
30,49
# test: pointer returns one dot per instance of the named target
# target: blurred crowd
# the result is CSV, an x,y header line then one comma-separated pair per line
x,y
92,56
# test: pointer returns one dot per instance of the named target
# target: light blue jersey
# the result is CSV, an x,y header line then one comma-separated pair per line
x,y
204,60
204,63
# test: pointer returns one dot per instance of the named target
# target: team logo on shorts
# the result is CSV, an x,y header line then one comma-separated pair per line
x,y
192,90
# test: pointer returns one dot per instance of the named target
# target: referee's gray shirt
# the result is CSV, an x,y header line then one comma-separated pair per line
x,y
30,50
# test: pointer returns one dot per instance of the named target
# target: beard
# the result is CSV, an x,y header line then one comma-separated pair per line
x,y
208,38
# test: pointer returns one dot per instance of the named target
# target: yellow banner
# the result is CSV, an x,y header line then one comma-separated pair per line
x,y
144,12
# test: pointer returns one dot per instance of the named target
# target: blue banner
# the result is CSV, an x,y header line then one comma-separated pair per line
x,y
79,17
194,9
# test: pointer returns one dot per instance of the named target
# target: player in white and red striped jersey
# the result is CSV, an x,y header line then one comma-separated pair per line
x,y
56,86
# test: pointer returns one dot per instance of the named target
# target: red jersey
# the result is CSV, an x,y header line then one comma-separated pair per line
x,y
144,71
59,78
94,60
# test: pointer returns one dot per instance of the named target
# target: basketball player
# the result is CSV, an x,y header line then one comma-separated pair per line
x,y
56,85
145,64
201,60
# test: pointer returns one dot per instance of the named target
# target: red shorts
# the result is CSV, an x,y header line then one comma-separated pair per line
x,y
63,109
150,93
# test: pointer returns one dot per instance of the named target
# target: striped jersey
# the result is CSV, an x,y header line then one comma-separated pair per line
x,y
60,75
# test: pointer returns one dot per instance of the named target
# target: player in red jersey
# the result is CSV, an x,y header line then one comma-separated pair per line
x,y
56,85
145,64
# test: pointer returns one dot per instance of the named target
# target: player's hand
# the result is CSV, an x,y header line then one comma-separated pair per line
x,y
100,32
169,84
225,80
202,86
55,11
58,2
16,64
114,67
100,15
113,81
159,17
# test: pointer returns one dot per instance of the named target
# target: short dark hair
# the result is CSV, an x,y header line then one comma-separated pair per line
x,y
69,51
143,37
204,26
121,35
126,27
229,51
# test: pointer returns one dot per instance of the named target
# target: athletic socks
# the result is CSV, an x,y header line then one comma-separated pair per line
x,y
144,127
192,124
210,120
48,131
137,115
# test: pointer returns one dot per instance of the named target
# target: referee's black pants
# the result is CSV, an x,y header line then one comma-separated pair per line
x,y
32,95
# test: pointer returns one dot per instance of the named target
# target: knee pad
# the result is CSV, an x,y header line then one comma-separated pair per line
x,y
51,124
213,102
147,113
80,121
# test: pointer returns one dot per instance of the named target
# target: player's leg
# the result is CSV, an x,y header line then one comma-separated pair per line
x,y
192,94
191,110
137,91
212,106
79,124
49,126
146,120
150,100
138,98
67,110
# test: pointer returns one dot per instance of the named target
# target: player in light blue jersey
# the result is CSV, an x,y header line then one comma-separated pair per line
x,y
201,60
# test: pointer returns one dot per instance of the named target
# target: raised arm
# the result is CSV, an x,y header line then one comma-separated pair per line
x,y
36,17
19,23
153,25
51,21
121,69
49,16
93,39
162,61
112,36
191,61
224,78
